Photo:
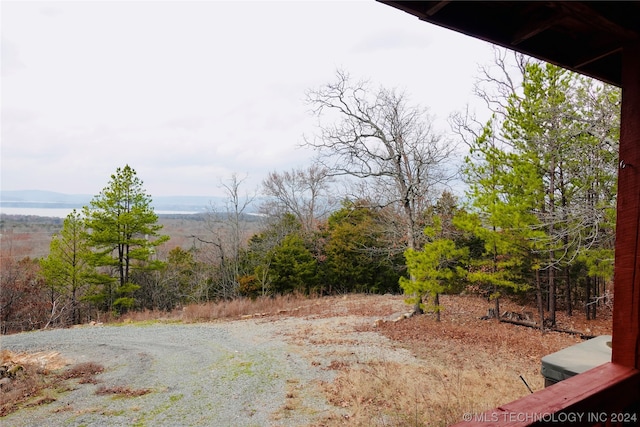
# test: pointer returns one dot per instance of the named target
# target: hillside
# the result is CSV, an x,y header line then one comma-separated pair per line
x,y
305,362
29,236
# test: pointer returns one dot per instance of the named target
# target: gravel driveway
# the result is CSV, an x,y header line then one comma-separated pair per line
x,y
255,372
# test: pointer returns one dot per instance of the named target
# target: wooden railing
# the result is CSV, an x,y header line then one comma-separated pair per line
x,y
608,395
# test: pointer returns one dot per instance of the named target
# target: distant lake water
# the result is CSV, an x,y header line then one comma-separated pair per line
x,y
63,212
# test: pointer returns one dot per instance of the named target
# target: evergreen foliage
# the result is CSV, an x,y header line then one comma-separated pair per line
x,y
293,266
122,230
541,179
434,270
539,211
356,257
66,269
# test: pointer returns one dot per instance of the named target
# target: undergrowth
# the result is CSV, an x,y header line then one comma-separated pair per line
x,y
465,365
391,394
228,309
33,385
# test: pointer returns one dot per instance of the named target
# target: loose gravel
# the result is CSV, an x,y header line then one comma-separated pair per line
x,y
255,372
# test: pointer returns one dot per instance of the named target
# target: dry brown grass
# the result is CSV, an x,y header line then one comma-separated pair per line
x,y
298,305
245,307
122,391
465,365
291,305
37,383
85,373
433,393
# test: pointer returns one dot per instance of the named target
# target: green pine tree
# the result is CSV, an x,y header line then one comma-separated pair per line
x,y
123,232
434,270
503,191
66,269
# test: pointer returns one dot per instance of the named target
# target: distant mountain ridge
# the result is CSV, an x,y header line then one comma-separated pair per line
x,y
39,196
52,199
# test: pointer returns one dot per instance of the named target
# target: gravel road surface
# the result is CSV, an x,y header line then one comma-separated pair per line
x,y
255,372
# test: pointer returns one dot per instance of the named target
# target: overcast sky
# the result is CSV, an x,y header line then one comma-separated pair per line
x,y
188,93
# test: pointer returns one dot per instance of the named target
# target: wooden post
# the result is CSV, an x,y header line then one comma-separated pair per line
x,y
626,306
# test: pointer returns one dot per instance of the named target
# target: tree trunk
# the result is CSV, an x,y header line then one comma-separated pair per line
x,y
74,307
588,297
540,303
552,296
417,307
552,260
565,239
495,271
568,295
596,294
411,244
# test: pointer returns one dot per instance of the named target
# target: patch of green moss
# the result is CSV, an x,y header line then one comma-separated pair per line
x,y
158,410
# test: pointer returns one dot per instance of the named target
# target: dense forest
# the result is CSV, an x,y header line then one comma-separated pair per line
x,y
375,213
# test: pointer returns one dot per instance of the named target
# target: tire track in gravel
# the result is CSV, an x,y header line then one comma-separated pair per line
x,y
256,372
227,374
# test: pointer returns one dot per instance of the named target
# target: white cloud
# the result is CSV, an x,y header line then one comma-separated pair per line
x,y
188,93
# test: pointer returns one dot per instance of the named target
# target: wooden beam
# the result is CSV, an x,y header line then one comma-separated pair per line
x,y
626,306
582,12
592,57
535,26
432,10
588,399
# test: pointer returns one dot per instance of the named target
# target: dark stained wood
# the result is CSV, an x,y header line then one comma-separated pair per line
x,y
532,29
626,308
593,395
583,36
599,21
435,8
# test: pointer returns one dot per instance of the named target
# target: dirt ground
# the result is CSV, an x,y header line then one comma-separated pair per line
x,y
461,325
459,365
467,365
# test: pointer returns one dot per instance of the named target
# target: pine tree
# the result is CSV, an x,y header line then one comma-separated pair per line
x,y
434,270
552,148
123,231
66,269
503,189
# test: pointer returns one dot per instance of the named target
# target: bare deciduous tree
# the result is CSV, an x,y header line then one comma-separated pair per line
x,y
304,193
228,235
377,136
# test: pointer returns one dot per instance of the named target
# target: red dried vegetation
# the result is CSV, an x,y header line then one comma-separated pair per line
x,y
84,372
122,391
462,328
38,376
464,364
